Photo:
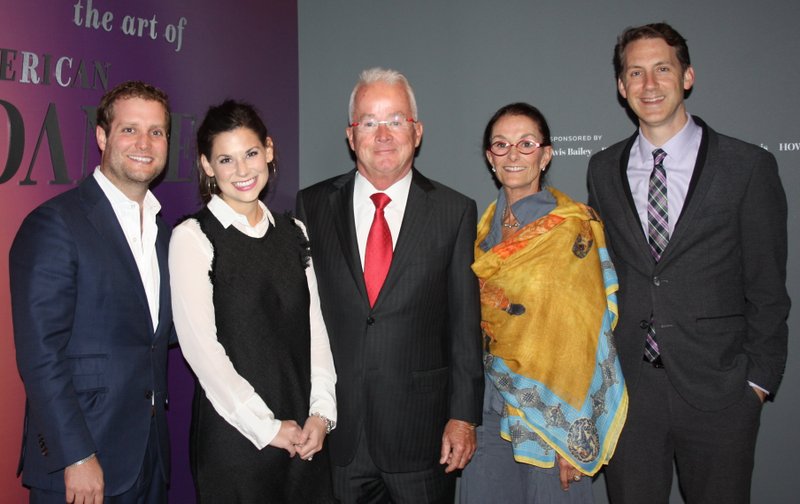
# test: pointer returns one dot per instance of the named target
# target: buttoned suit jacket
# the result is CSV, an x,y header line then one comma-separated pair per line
x,y
718,294
93,368
413,361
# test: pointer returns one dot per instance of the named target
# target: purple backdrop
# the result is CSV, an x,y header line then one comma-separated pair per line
x,y
56,61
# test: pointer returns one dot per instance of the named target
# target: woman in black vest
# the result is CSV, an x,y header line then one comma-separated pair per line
x,y
249,323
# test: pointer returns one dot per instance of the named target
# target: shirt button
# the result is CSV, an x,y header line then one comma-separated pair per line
x,y
656,281
370,320
644,324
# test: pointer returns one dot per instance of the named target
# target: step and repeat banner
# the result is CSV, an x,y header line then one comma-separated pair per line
x,y
57,58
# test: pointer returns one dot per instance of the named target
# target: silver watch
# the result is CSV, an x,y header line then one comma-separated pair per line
x,y
329,424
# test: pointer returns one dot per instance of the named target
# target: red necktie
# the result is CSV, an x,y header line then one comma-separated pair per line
x,y
378,256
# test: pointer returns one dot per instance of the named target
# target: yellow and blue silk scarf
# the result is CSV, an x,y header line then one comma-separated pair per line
x,y
548,308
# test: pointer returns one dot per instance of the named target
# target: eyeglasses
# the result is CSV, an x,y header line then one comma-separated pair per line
x,y
396,122
524,146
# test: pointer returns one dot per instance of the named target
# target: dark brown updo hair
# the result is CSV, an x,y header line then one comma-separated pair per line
x,y
227,116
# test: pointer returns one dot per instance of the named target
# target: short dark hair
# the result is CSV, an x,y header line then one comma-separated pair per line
x,y
651,31
124,91
227,116
519,109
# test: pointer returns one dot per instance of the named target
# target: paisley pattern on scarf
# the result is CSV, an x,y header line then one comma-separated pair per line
x,y
548,306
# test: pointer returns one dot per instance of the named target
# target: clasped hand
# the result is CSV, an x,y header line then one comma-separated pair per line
x,y
305,441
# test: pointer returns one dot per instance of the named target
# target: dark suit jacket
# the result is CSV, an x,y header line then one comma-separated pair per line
x,y
414,360
86,350
718,295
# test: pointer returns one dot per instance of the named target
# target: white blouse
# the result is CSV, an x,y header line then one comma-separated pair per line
x,y
190,257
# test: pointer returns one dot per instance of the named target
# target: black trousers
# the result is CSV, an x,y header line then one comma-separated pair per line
x,y
362,482
714,451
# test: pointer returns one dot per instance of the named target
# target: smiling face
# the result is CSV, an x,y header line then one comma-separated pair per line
x,y
239,162
383,156
520,174
653,83
134,151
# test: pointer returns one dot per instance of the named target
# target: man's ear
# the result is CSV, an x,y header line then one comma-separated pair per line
x,y
100,135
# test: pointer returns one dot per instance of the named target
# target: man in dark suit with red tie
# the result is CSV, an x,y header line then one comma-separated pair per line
x,y
392,251
696,223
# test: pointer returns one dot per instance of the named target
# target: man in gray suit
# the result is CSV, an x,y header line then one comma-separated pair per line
x,y
697,228
392,251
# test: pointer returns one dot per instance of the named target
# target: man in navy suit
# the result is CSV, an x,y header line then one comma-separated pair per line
x,y
92,318
696,222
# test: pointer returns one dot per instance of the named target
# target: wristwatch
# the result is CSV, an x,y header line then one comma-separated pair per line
x,y
329,424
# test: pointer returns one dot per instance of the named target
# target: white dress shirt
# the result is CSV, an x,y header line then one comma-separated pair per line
x,y
140,231
364,209
233,397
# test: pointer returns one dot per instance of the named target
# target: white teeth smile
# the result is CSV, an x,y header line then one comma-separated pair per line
x,y
244,183
141,159
515,168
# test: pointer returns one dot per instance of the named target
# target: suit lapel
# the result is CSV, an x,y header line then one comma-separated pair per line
x,y
702,177
341,205
412,232
164,300
101,215
631,215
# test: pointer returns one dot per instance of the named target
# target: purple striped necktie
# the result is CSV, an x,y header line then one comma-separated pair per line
x,y
657,233
657,215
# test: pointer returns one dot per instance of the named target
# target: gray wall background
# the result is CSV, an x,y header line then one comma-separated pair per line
x,y
467,58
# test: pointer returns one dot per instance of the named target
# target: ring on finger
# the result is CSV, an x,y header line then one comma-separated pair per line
x,y
577,477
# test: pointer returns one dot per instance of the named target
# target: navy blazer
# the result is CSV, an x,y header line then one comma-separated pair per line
x,y
718,294
93,368
413,361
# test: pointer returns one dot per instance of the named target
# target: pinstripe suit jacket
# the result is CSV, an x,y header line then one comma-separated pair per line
x,y
413,361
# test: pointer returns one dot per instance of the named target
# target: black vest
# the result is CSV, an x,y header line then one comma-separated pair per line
x,y
261,304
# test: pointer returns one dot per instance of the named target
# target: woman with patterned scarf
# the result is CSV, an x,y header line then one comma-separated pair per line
x,y
555,398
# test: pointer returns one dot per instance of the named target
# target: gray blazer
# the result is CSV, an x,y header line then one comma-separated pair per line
x,y
718,295
413,361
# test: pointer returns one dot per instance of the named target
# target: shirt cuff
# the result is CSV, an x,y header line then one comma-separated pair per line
x,y
762,389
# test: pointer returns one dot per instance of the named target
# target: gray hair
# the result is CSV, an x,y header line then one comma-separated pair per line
x,y
385,75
